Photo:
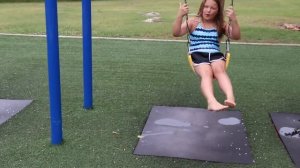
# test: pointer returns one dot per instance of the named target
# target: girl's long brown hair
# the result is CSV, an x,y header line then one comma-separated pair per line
x,y
219,19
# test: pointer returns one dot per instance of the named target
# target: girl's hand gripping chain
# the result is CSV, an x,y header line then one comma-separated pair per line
x,y
230,13
183,9
233,29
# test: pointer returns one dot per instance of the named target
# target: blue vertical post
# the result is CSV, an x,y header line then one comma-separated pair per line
x,y
87,54
53,71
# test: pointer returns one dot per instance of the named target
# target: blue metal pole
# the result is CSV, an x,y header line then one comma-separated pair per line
x,y
53,71
87,54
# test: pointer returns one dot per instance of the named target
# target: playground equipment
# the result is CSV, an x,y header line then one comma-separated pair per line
x,y
54,69
227,54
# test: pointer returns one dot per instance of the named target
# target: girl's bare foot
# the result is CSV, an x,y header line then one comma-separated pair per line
x,y
229,103
216,107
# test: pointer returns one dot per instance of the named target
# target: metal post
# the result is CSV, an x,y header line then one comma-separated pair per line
x,y
53,71
87,54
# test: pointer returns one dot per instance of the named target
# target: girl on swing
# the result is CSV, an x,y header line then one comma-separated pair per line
x,y
206,31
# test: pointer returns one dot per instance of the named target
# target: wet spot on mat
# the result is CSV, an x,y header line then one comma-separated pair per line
x,y
172,122
155,134
289,132
229,121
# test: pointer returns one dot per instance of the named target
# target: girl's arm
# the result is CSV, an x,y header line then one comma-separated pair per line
x,y
234,29
179,27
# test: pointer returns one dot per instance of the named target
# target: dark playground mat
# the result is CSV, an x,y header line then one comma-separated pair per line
x,y
9,108
288,128
195,133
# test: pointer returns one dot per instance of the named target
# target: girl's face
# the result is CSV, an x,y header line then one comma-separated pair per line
x,y
210,10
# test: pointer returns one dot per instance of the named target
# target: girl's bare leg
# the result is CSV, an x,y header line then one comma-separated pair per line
x,y
224,82
206,86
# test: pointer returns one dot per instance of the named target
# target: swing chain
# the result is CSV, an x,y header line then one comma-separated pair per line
x,y
187,28
227,43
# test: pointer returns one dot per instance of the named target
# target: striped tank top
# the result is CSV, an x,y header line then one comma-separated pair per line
x,y
204,40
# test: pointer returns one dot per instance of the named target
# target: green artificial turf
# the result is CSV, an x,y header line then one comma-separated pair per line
x,y
260,20
129,77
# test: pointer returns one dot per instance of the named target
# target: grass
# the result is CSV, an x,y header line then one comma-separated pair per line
x,y
132,76
260,20
129,78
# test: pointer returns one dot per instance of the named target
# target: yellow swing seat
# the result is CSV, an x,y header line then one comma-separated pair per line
x,y
227,59
190,61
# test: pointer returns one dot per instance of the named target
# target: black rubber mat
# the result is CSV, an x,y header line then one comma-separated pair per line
x,y
194,133
288,129
9,108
